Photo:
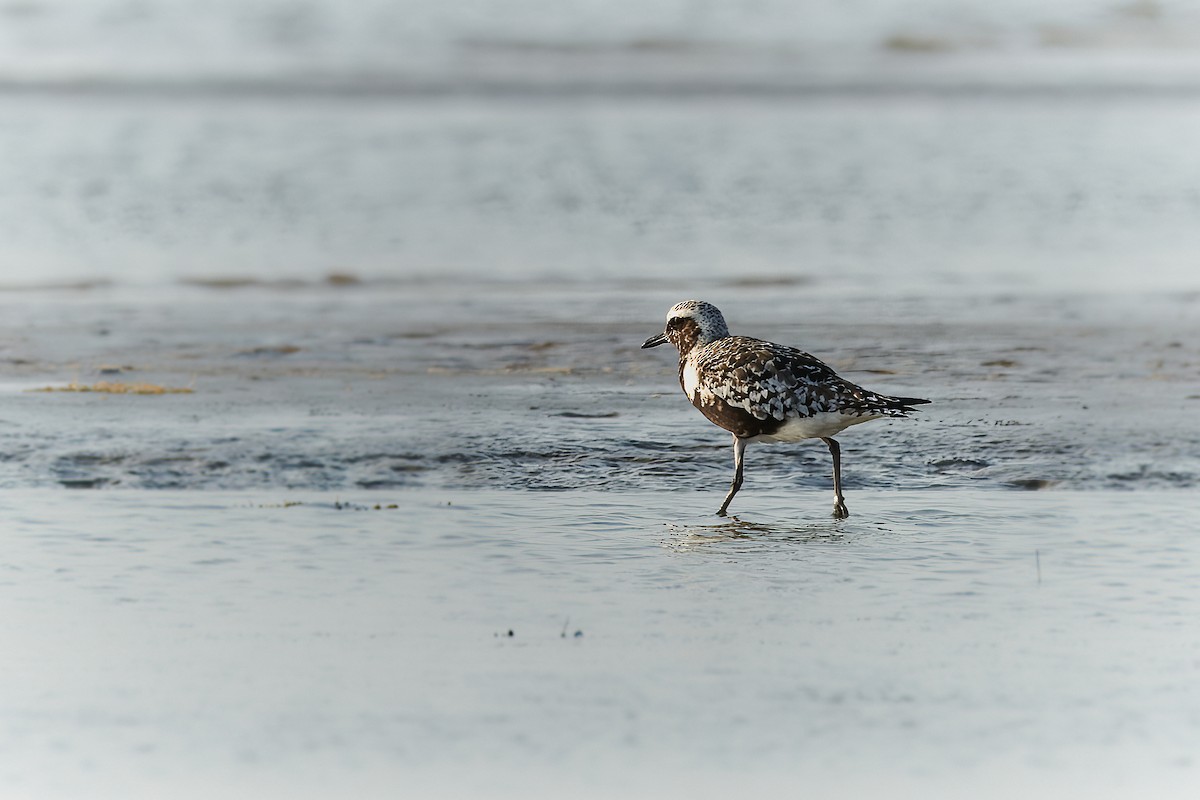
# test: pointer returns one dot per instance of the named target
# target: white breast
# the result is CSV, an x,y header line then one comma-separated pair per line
x,y
691,379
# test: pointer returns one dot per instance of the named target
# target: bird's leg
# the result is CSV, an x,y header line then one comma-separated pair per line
x,y
839,502
739,447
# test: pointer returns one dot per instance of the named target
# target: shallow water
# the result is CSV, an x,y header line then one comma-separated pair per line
x,y
193,644
896,193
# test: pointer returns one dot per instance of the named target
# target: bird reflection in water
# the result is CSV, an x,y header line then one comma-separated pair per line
x,y
748,535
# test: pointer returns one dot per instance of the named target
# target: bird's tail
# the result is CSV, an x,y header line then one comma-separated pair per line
x,y
902,405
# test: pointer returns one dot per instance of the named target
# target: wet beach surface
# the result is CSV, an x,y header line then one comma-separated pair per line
x,y
330,387
417,418
586,643
301,576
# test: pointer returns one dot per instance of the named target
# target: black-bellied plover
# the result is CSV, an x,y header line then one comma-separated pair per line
x,y
765,392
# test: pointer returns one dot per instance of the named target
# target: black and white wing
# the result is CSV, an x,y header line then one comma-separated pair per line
x,y
771,381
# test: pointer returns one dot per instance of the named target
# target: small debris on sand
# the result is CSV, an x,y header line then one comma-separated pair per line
x,y
116,387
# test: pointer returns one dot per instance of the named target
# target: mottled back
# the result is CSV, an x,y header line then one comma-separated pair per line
x,y
772,381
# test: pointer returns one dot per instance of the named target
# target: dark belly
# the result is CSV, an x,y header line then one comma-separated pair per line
x,y
737,421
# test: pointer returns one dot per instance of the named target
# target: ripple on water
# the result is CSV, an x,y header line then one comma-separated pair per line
x,y
950,627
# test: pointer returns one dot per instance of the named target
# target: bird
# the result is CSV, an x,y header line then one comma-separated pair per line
x,y
765,392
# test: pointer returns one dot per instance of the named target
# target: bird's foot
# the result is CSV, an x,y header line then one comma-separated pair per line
x,y
839,509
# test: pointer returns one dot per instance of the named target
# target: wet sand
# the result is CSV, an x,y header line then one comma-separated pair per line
x,y
301,644
543,387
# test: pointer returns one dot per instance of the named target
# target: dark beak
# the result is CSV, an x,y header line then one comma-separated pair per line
x,y
655,341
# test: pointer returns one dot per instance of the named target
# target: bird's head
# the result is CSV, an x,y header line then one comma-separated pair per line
x,y
691,323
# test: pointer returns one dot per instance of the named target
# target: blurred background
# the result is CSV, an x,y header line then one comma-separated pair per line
x,y
927,144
